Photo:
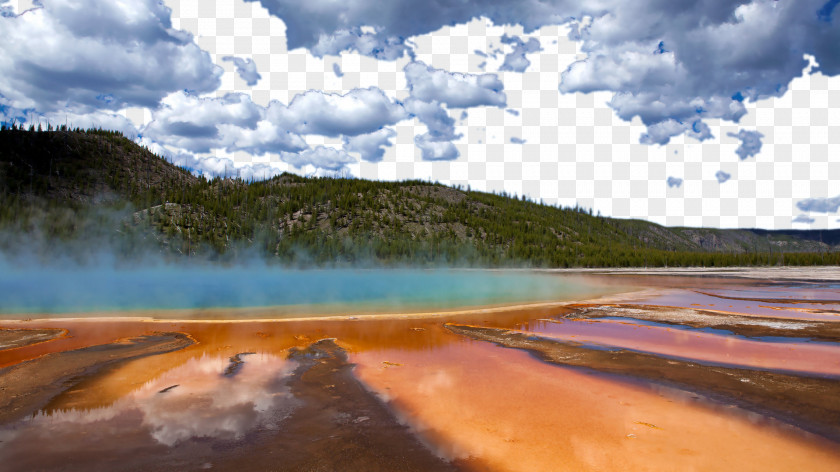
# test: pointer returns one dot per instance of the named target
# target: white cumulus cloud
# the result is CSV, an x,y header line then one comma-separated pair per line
x,y
454,89
371,146
436,150
85,55
359,111
321,157
232,122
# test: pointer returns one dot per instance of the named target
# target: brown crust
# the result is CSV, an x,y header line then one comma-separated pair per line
x,y
809,403
14,338
30,385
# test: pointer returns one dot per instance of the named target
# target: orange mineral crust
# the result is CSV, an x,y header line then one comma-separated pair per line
x,y
578,387
502,409
792,356
225,339
775,307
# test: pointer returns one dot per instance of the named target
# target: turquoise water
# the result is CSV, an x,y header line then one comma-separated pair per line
x,y
57,291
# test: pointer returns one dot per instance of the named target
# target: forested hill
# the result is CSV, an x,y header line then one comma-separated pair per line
x,y
68,193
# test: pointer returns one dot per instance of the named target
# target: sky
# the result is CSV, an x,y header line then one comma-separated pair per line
x,y
706,113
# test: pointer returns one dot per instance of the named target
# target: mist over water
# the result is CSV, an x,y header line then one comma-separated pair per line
x,y
57,290
104,271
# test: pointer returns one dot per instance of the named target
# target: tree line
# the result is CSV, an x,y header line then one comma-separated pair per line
x,y
64,185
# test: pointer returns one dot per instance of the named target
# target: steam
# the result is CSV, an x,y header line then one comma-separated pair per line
x,y
109,258
105,284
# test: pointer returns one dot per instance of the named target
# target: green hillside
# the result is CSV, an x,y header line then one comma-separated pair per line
x,y
70,193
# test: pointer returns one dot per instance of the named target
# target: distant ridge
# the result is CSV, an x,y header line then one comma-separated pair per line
x,y
62,188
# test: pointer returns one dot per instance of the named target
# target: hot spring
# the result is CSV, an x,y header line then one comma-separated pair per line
x,y
88,290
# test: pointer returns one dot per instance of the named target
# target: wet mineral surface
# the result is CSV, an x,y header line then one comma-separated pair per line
x,y
689,373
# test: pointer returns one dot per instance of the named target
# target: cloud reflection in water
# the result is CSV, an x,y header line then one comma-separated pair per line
x,y
204,404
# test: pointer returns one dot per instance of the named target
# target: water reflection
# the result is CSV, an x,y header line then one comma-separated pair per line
x,y
469,399
786,293
694,345
506,410
772,306
193,401
207,404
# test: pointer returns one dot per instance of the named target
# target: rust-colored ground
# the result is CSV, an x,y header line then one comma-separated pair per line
x,y
584,386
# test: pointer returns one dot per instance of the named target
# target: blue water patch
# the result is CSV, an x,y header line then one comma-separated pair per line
x,y
719,332
786,340
55,291
654,324
800,293
585,344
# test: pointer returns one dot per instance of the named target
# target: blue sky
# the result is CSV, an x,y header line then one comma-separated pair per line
x,y
713,112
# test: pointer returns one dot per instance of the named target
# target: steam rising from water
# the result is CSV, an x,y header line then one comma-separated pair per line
x,y
104,270
55,290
